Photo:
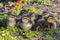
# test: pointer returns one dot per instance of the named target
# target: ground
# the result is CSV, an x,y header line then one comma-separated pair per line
x,y
38,6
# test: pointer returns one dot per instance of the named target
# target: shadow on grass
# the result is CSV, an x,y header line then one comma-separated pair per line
x,y
3,23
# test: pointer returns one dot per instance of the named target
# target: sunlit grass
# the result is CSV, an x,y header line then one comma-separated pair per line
x,y
9,33
34,10
1,4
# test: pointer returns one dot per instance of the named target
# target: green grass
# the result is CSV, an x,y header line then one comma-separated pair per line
x,y
33,34
1,4
32,9
45,2
9,33
53,32
48,37
41,2
6,34
17,10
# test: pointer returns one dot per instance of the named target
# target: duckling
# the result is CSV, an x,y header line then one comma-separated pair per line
x,y
33,17
26,24
11,20
41,23
52,22
55,15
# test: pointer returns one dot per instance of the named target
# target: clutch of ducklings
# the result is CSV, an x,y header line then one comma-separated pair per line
x,y
29,21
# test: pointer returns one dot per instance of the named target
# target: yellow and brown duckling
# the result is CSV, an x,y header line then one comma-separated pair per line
x,y
11,20
26,24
